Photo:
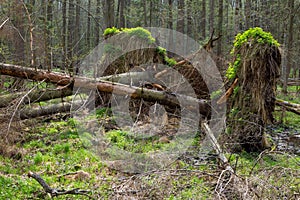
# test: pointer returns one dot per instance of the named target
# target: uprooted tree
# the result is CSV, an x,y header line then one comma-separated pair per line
x,y
253,72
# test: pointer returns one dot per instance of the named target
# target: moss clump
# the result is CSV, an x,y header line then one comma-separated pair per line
x,y
170,61
161,51
231,71
252,36
255,35
111,31
139,32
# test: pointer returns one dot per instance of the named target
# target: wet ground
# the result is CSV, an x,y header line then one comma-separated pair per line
x,y
286,138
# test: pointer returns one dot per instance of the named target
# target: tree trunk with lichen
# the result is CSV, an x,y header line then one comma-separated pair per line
x,y
257,66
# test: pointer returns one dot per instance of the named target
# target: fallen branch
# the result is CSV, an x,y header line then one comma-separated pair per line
x,y
28,113
216,146
292,107
163,97
57,192
2,25
35,96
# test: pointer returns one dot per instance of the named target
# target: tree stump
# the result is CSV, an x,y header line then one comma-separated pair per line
x,y
256,68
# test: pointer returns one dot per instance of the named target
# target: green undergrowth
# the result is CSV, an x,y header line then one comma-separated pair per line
x,y
57,148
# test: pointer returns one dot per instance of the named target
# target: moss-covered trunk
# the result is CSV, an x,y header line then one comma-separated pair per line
x,y
256,66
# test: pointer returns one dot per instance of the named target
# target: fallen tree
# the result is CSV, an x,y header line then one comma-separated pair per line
x,y
35,96
292,107
163,97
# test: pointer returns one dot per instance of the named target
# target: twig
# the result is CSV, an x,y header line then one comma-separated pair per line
x,y
22,99
1,26
56,192
216,146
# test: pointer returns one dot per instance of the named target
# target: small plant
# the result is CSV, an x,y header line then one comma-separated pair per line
x,y
38,158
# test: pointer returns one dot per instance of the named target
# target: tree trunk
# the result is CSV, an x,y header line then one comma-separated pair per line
x,y
291,5
77,30
64,34
35,96
71,36
162,97
211,15
88,31
237,17
97,29
47,33
220,28
108,13
180,18
248,14
122,16
145,13
150,13
203,20
253,99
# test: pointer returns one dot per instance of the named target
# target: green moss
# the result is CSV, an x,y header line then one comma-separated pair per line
x,y
140,33
232,69
236,90
161,51
111,31
170,61
255,35
252,36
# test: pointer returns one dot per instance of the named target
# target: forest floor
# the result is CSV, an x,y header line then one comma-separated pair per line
x,y
53,148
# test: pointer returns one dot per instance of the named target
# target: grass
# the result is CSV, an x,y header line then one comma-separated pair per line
x,y
55,149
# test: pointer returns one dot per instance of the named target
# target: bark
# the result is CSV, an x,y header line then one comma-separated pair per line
x,y
203,20
35,96
48,110
292,107
253,101
248,14
77,29
211,15
145,13
220,28
108,13
180,19
47,33
291,5
64,34
162,97
97,29
71,35
88,33
122,16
